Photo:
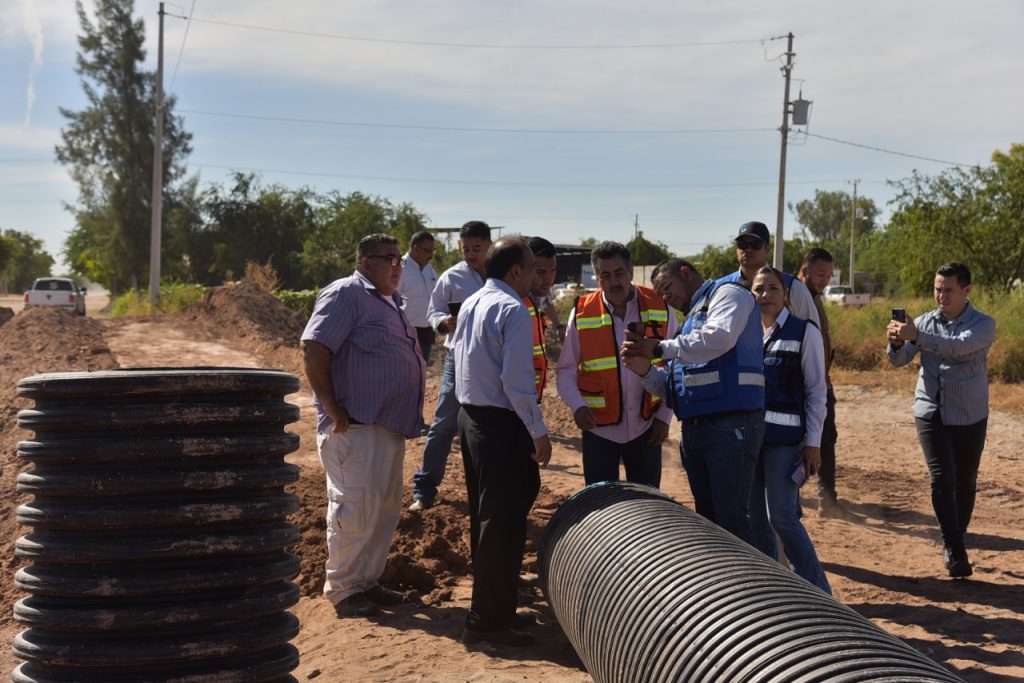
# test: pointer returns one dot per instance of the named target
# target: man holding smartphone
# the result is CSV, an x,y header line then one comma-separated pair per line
x,y
620,420
452,288
951,400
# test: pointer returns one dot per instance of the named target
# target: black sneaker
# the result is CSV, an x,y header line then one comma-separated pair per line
x,y
524,620
357,605
501,636
956,562
385,597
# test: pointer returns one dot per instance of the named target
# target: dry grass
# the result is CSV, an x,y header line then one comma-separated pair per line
x,y
1007,398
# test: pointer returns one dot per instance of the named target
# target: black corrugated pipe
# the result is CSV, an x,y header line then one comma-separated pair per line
x,y
158,527
647,591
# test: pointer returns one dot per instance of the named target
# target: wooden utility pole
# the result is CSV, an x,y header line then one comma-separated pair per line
x,y
853,234
158,172
787,70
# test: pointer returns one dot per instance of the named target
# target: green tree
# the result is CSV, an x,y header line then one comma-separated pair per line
x,y
974,216
108,149
825,221
588,241
644,252
27,260
342,220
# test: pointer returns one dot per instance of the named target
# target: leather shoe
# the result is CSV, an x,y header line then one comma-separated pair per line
x,y
501,636
385,597
421,504
357,605
956,562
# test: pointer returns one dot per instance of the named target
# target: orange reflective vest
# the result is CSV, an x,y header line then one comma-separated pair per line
x,y
540,356
598,373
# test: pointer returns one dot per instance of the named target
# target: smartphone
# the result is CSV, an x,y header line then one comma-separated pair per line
x,y
899,315
453,307
799,476
636,328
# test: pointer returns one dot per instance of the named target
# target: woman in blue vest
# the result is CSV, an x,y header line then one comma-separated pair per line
x,y
794,374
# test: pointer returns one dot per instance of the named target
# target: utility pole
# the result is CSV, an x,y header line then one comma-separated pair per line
x,y
158,173
787,70
636,225
853,233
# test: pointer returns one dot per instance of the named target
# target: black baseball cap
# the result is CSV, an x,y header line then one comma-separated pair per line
x,y
755,229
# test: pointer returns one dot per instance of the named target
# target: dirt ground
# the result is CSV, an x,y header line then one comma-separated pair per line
x,y
884,562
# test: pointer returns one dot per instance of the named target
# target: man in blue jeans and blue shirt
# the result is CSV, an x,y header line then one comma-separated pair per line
x,y
714,381
453,287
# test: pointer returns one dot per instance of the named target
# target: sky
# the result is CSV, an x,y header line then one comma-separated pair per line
x,y
567,119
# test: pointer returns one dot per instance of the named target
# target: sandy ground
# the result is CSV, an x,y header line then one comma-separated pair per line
x,y
884,562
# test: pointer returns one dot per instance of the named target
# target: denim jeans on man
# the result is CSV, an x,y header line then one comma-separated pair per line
x,y
719,453
775,508
439,438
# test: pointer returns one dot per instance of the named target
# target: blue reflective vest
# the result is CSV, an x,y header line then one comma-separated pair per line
x,y
732,382
784,416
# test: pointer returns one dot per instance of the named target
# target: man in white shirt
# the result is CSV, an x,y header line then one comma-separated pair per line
x,y
416,286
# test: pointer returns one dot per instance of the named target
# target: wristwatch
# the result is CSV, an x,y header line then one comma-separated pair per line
x,y
657,350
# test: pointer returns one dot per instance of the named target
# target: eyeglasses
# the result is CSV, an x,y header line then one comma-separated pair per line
x,y
394,261
749,244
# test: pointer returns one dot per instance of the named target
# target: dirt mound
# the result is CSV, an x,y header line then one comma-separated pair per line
x,y
253,317
35,340
5,314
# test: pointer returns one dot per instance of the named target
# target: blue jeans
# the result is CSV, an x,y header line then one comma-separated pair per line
x,y
775,508
719,453
601,460
439,438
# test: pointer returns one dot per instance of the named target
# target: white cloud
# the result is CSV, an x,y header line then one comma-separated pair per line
x,y
27,138
34,30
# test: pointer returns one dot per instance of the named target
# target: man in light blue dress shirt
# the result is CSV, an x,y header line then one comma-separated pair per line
x,y
503,438
951,401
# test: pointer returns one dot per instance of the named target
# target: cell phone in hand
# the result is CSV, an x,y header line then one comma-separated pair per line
x,y
899,315
636,328
799,475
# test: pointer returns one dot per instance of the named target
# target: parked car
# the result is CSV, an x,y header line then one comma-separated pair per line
x,y
845,296
57,291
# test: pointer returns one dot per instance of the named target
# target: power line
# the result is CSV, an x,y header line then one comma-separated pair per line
x,y
492,46
181,50
509,183
473,129
889,151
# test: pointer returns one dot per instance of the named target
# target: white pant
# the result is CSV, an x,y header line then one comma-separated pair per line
x,y
364,493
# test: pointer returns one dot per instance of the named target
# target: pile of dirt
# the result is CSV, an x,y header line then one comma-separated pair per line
x,y
5,314
253,317
33,341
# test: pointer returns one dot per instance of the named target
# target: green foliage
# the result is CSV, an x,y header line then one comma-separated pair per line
x,y
108,149
588,242
974,216
26,260
644,252
825,220
858,334
174,297
298,300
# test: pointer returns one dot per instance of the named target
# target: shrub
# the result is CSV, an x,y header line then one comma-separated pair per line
x,y
174,297
298,300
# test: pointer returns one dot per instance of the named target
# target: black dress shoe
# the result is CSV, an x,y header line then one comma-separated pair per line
x,y
357,605
501,636
524,620
385,597
956,562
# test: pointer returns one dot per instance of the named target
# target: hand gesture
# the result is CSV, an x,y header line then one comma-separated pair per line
x,y
634,346
541,450
658,432
637,364
585,418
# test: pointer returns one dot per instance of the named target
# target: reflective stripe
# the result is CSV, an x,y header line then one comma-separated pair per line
x,y
751,378
606,363
784,345
654,314
595,401
538,350
593,322
702,379
782,419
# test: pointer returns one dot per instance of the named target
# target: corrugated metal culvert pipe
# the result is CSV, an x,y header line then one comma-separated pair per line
x,y
647,591
158,527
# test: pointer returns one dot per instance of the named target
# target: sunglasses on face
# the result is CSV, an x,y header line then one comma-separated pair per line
x,y
752,245
393,261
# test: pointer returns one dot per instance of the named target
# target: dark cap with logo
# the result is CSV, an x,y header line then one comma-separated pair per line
x,y
755,229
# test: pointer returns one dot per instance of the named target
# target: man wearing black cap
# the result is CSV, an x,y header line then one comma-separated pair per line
x,y
753,244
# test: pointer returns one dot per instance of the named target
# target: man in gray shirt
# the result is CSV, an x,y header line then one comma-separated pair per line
x,y
951,401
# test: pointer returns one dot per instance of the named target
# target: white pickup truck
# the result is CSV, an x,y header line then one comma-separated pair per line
x,y
57,291
844,296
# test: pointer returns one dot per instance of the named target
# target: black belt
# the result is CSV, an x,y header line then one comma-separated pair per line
x,y
714,417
